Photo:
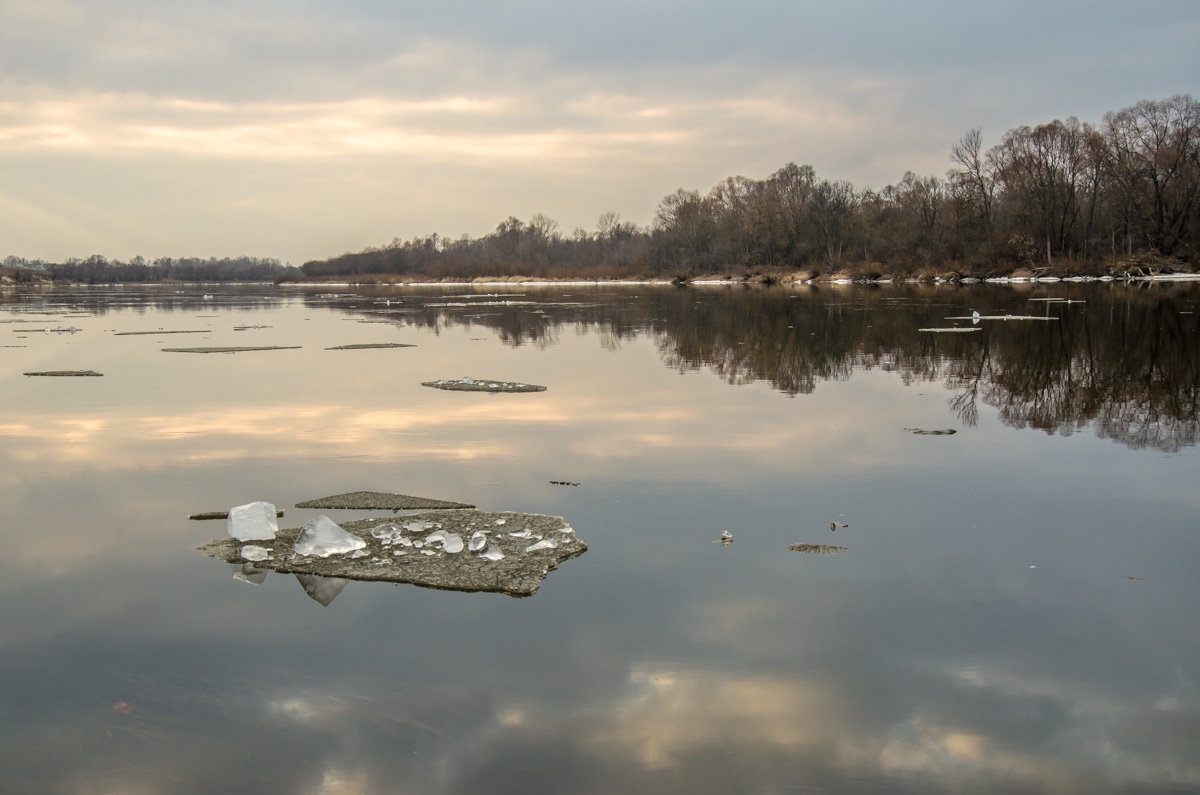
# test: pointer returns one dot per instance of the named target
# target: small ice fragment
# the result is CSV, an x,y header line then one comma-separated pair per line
x,y
387,533
478,541
254,521
492,553
522,534
567,529
403,542
417,544
417,527
451,542
428,552
399,552
549,543
254,552
361,553
493,386
500,521
322,537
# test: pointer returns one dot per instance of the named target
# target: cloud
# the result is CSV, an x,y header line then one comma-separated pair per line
x,y
345,125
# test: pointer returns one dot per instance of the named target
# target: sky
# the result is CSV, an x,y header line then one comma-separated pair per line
x,y
302,129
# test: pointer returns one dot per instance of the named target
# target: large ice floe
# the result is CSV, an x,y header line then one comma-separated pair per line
x,y
460,549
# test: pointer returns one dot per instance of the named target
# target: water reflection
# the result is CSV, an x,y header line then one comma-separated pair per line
x,y
1123,360
979,635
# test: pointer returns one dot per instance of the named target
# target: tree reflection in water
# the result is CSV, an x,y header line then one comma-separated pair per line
x,y
1124,360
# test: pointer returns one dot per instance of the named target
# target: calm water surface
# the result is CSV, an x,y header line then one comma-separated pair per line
x,y
1014,611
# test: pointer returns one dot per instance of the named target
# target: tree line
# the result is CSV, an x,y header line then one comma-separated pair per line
x,y
1063,197
97,269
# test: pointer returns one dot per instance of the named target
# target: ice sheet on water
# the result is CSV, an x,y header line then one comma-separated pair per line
x,y
254,521
322,537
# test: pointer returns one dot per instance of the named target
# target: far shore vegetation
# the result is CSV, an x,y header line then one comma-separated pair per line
x,y
1064,198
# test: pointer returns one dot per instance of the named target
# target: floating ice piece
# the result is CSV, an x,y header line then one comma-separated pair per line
x,y
493,385
322,537
255,553
950,330
478,541
254,521
522,533
418,527
492,553
382,500
820,549
549,543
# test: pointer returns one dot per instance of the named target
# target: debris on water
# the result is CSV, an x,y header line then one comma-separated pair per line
x,y
938,432
1135,579
66,373
498,564
208,515
379,500
254,521
249,328
161,331
563,483
322,590
819,549
725,540
469,384
367,345
835,525
952,330
234,349
975,317
322,537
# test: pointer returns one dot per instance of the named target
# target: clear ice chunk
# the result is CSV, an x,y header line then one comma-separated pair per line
x,y
387,533
322,537
523,534
492,553
255,552
478,541
451,542
254,521
417,527
549,543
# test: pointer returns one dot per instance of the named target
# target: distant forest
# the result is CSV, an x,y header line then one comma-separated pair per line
x,y
1121,197
99,270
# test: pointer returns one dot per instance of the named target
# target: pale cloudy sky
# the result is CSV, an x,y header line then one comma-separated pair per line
x,y
300,129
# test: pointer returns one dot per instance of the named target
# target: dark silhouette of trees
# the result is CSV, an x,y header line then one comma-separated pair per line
x,y
1063,197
